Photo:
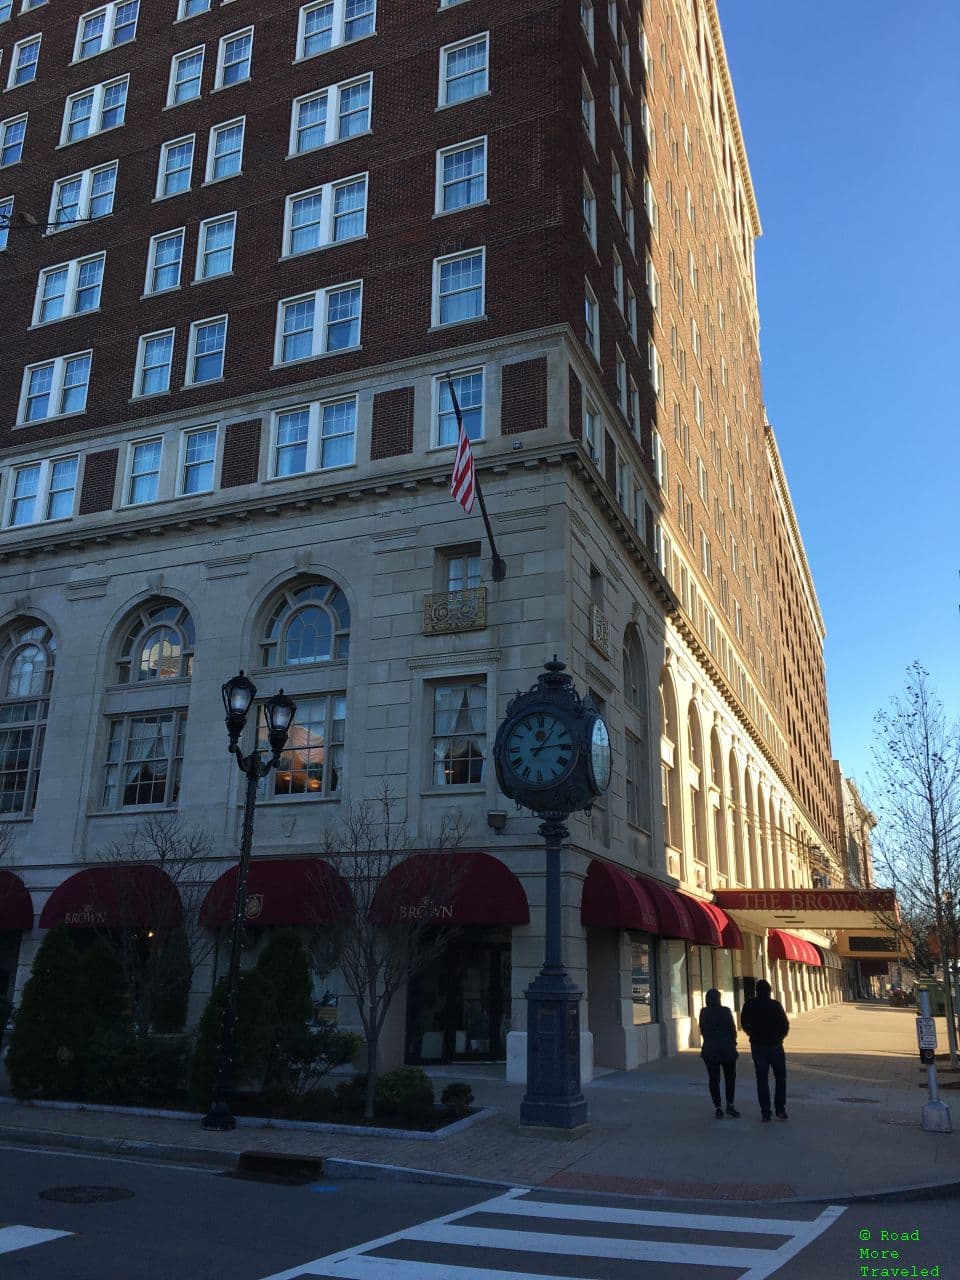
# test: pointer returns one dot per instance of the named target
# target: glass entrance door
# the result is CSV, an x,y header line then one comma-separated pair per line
x,y
457,1010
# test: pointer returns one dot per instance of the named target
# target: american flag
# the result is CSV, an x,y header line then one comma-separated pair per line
x,y
463,485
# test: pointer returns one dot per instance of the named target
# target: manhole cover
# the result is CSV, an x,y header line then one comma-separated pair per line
x,y
874,1100
86,1195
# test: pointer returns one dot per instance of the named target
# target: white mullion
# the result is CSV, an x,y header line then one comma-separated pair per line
x,y
326,217
339,19
313,438
320,308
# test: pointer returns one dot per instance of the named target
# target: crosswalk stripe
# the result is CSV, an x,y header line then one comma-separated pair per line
x,y
639,1217
13,1238
804,1234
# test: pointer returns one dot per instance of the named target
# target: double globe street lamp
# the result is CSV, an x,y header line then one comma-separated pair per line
x,y
278,713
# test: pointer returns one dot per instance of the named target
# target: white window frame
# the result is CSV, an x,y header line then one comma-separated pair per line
x,y
5,127
467,411
591,321
98,92
653,285
658,458
205,227
331,131
215,132
443,96
621,382
655,365
650,205
43,494
319,330
314,442
587,21
172,84
59,366
588,110
70,290
218,82
183,16
326,221
110,12
15,64
337,31
182,463
189,380
128,473
589,212
630,315
138,392
84,202
592,430
438,264
618,283
163,175
152,260
6,219
440,188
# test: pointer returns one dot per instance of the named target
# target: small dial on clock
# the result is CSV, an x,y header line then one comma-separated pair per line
x,y
600,762
539,749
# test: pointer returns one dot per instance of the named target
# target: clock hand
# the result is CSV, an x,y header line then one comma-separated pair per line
x,y
535,751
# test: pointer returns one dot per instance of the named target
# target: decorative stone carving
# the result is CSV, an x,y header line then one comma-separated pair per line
x,y
599,630
447,611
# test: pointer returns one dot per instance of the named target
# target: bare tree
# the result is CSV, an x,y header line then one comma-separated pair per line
x,y
396,919
916,796
160,941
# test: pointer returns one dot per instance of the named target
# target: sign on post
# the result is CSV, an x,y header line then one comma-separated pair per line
x,y
926,1037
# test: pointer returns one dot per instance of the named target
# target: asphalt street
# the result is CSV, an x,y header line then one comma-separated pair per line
x,y
72,1217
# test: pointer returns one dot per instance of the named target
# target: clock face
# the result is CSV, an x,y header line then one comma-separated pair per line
x,y
539,749
600,765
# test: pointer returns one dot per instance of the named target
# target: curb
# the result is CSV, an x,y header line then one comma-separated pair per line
x,y
124,1147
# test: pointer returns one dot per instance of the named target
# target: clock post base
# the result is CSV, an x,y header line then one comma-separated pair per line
x,y
554,1097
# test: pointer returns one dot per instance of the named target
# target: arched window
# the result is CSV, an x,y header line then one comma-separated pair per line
x,y
698,785
718,806
637,731
670,773
310,623
27,652
158,644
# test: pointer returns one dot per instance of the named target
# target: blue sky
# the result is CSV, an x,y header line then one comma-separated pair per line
x,y
851,114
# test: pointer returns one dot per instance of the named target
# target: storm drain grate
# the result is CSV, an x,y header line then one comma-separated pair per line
x,y
873,1100
87,1195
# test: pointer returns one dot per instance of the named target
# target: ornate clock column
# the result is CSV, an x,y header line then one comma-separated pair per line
x,y
526,748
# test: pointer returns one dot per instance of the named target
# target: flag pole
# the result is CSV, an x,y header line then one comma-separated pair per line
x,y
499,567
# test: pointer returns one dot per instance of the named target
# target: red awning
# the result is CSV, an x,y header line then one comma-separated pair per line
x,y
16,908
614,899
291,891
706,929
787,946
673,918
730,936
450,888
117,896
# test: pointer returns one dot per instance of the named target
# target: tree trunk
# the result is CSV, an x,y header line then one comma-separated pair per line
x,y
368,1107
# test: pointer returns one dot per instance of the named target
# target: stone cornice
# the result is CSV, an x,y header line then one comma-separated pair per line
x,y
782,490
733,114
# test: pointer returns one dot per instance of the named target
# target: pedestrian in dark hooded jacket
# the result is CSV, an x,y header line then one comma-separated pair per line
x,y
719,1051
766,1023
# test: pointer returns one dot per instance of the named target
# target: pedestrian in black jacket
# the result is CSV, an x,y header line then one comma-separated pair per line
x,y
765,1022
719,1050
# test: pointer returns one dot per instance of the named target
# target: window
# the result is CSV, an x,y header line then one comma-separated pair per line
x,y
176,167
633,407
703,482
698,407
143,483
158,644
644,971
618,278
68,289
43,491
461,568
588,110
463,70
83,197
616,186
459,733
208,340
461,175
105,28
591,431
312,761
225,150
23,62
215,247
154,361
95,110
318,323
6,217
656,368
335,113
330,23
589,212
198,451
695,341
144,760
55,388
586,20
308,624
163,261
591,321
653,284
458,287
324,215
233,58
637,721
615,96
315,437
631,315
190,8
650,205
706,556
658,457
630,223
27,651
12,134
621,382
186,70
468,388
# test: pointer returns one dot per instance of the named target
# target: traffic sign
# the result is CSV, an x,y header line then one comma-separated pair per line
x,y
926,1033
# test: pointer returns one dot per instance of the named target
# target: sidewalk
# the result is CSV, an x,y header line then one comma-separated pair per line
x,y
853,1097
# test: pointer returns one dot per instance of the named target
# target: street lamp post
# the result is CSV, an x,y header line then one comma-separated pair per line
x,y
238,695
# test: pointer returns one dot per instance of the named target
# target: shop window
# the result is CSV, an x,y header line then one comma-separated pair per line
x,y
644,979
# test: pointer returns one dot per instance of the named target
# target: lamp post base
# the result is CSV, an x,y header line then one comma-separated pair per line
x,y
219,1117
554,1097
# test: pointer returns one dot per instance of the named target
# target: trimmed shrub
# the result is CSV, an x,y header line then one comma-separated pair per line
x,y
406,1092
320,1105
458,1098
141,1070
307,1054
284,965
252,1036
43,1059
104,991
352,1095
173,977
